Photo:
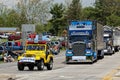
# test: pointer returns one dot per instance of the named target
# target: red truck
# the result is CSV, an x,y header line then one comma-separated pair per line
x,y
14,37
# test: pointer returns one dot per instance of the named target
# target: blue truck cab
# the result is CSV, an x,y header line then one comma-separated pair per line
x,y
83,42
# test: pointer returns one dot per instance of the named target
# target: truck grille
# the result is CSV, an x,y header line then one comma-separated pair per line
x,y
79,49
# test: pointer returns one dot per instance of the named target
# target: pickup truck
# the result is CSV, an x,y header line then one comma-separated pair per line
x,y
14,46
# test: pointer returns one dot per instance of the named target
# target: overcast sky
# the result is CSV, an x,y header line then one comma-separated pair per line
x,y
85,3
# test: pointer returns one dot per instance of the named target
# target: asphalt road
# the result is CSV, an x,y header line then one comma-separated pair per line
x,y
62,71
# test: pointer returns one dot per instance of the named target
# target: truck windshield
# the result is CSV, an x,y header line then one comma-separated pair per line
x,y
78,38
34,47
106,38
108,32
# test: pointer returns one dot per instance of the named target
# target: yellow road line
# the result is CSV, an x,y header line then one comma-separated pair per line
x,y
110,76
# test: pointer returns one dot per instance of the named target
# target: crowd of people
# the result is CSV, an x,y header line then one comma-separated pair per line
x,y
9,56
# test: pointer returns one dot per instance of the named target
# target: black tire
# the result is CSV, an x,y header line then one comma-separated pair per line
x,y
67,60
101,57
92,60
113,52
31,67
40,65
50,65
20,67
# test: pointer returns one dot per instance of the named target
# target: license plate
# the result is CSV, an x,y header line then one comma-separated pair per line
x,y
27,60
79,58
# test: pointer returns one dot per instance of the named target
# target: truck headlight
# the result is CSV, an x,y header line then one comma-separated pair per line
x,y
69,52
88,52
88,45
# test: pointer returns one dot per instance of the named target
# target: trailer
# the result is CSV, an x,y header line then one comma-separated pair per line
x,y
85,42
116,39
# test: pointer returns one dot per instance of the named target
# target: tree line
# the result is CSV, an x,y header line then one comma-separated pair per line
x,y
55,17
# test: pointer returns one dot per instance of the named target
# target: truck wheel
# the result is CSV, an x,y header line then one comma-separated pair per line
x,y
101,57
113,52
40,65
50,65
67,60
20,67
31,67
92,60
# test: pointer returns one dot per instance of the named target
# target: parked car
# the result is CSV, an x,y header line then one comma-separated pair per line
x,y
55,49
14,37
2,49
56,46
64,43
3,36
58,43
14,45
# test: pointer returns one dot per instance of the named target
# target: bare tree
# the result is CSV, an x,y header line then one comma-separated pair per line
x,y
36,11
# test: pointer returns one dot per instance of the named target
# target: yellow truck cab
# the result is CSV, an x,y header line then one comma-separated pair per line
x,y
36,54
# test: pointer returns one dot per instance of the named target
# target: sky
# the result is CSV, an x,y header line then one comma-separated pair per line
x,y
85,3
10,3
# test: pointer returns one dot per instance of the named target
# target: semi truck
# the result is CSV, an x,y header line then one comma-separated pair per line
x,y
85,42
116,39
108,39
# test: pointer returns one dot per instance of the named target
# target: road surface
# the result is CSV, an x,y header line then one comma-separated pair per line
x,y
62,71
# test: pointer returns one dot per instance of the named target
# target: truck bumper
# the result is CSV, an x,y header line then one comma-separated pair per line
x,y
108,51
80,59
26,63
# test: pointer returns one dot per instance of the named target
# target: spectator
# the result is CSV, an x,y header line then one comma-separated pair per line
x,y
10,58
7,58
5,54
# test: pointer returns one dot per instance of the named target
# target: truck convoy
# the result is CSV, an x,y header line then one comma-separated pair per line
x,y
85,42
108,39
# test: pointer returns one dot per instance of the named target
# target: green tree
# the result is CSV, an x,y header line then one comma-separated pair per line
x,y
106,9
4,11
13,19
74,11
57,20
113,20
88,13
1,22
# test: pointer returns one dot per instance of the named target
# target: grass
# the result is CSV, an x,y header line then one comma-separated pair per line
x,y
3,40
1,62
